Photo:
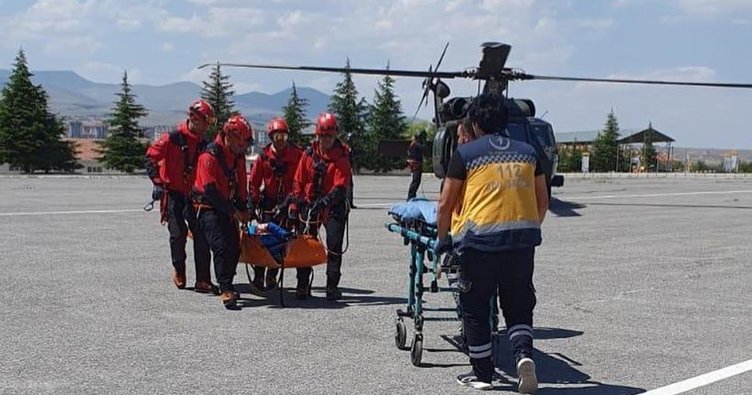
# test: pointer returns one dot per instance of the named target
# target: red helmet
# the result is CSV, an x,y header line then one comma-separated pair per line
x,y
203,109
326,124
277,125
238,127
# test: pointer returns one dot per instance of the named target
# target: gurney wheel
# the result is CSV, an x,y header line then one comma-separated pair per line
x,y
416,350
400,334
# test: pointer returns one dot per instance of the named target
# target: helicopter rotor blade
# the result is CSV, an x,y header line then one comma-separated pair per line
x,y
391,72
442,56
630,81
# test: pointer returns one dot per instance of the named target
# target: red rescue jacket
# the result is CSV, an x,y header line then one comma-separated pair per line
x,y
221,185
272,175
171,160
319,173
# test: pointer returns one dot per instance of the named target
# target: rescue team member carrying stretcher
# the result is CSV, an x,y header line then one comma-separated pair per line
x,y
269,184
220,198
319,189
171,166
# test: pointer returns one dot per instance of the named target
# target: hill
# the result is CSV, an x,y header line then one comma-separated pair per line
x,y
74,96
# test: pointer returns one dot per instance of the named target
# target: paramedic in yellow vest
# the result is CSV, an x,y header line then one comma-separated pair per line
x,y
500,186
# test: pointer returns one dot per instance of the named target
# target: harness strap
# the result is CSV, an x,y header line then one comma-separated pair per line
x,y
216,151
189,163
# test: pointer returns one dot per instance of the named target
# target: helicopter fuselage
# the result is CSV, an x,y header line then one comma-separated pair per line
x,y
522,126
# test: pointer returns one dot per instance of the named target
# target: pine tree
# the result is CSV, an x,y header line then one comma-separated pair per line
x,y
606,145
122,150
295,115
30,135
351,115
385,122
218,92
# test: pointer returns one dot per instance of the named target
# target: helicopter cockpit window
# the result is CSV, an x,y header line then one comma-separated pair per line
x,y
544,134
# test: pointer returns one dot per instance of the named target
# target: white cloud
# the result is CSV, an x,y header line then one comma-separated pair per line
x,y
216,22
714,7
168,47
594,23
129,24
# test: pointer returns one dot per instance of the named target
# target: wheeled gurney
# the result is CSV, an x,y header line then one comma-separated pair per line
x,y
415,221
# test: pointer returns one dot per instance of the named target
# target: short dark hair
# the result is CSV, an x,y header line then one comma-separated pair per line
x,y
489,112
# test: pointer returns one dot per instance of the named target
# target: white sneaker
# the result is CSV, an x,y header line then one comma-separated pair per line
x,y
469,380
527,382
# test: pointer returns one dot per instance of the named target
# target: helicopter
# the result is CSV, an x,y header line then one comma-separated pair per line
x,y
522,124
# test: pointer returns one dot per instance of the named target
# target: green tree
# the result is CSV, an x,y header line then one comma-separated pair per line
x,y
605,147
122,149
385,122
570,160
648,154
744,167
218,92
295,115
31,137
351,115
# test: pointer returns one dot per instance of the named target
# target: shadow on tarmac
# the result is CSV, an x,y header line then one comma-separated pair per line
x,y
350,297
554,368
562,208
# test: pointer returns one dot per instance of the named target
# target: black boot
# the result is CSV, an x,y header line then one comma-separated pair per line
x,y
332,291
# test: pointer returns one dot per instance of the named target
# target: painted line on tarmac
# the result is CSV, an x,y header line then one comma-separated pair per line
x,y
69,212
657,194
702,380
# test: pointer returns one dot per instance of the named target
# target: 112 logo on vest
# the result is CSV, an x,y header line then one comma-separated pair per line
x,y
510,177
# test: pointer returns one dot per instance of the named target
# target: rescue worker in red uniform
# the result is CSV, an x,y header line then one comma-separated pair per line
x,y
220,198
320,187
269,185
170,164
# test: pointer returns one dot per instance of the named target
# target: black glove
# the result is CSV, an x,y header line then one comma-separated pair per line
x,y
157,192
444,245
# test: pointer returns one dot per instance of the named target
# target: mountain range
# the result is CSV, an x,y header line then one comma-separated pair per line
x,y
76,97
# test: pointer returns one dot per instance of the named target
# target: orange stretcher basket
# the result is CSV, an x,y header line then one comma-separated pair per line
x,y
300,251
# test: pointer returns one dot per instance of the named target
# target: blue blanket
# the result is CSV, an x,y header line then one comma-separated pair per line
x,y
415,210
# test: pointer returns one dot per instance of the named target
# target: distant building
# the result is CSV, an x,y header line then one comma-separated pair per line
x,y
87,155
91,128
631,138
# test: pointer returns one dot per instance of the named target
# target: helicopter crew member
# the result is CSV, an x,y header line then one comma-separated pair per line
x,y
415,162
220,197
320,185
500,184
269,184
170,164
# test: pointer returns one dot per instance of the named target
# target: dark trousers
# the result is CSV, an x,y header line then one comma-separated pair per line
x,y
259,271
335,235
222,236
181,218
414,184
351,192
512,273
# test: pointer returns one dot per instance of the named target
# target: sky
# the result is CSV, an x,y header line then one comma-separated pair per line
x,y
160,41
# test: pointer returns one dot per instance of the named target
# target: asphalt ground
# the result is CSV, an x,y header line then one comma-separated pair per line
x,y
641,283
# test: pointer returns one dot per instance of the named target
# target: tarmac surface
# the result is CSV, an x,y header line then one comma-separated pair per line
x,y
641,283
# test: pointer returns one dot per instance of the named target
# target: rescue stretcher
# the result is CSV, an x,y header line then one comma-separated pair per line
x,y
415,221
271,246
